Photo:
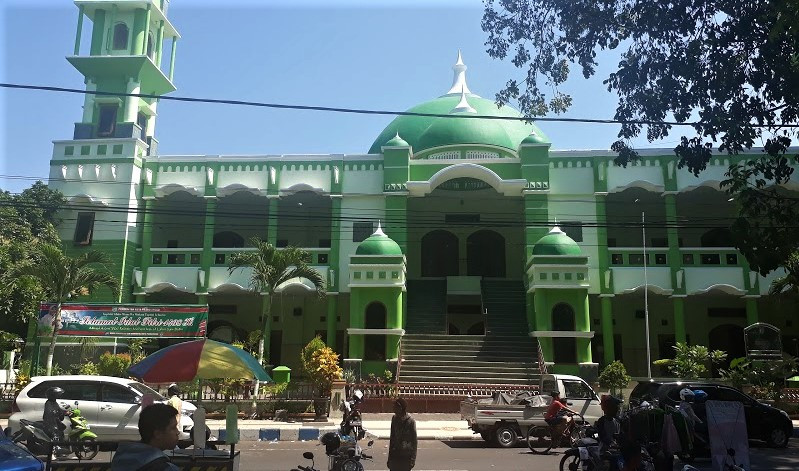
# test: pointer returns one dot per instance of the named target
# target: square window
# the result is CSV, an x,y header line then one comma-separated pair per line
x,y
195,259
322,258
382,275
687,259
362,230
176,259
555,276
69,150
157,258
85,150
660,259
616,259
580,276
636,258
732,259
710,259
370,275
395,275
567,276
102,149
542,276
108,120
84,229
117,150
219,259
357,275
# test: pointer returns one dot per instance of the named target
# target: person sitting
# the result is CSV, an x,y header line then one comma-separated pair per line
x,y
556,417
53,417
608,426
159,431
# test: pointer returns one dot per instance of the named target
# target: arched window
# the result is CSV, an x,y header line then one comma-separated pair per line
x,y
485,254
375,345
439,254
228,239
120,40
565,349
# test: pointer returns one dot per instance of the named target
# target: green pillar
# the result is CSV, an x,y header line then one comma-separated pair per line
x,y
98,32
271,231
543,321
266,318
139,32
751,311
207,257
332,315
356,321
608,341
335,243
396,224
583,324
80,30
159,45
172,58
146,235
395,322
679,319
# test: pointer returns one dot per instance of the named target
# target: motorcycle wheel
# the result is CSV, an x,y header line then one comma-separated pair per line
x,y
87,449
351,465
539,439
571,461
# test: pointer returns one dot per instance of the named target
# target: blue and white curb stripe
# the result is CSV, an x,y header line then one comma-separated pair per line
x,y
276,434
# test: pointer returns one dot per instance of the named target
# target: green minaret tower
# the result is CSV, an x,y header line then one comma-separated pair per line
x,y
126,56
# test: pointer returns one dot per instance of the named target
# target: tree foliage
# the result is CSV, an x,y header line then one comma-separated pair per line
x,y
614,377
730,68
691,361
320,365
27,220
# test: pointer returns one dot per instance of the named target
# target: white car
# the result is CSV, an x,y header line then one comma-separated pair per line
x,y
111,405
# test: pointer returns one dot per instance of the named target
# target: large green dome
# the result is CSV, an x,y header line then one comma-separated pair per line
x,y
426,132
556,242
378,244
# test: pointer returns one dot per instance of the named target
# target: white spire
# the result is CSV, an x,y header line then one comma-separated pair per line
x,y
459,77
379,231
463,106
556,229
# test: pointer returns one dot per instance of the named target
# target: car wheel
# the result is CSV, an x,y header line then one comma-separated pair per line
x,y
505,436
778,438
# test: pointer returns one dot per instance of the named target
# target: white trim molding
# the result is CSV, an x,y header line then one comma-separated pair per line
x,y
563,334
355,331
512,187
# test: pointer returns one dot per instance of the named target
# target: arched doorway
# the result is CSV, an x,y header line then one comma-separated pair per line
x,y
727,338
564,349
375,345
439,254
228,239
485,254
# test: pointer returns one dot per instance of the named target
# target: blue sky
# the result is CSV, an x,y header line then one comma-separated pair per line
x,y
357,53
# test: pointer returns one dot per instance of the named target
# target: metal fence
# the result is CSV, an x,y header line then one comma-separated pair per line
x,y
294,391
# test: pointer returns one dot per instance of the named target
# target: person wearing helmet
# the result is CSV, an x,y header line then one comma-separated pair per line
x,y
608,426
53,416
686,408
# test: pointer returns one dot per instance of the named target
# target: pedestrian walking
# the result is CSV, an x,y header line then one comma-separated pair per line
x,y
402,443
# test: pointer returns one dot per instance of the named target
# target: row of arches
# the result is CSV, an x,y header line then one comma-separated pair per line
x,y
485,254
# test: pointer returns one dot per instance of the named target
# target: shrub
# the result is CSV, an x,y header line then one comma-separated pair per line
x,y
614,377
320,365
691,361
114,365
767,378
88,368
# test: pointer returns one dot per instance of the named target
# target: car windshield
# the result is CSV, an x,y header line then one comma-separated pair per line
x,y
143,389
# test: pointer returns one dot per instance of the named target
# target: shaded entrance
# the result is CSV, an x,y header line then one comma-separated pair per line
x,y
439,254
375,345
727,338
564,348
485,254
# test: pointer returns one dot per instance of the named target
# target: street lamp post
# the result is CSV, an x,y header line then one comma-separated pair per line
x,y
646,299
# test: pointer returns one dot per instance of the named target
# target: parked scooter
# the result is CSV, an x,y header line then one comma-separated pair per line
x,y
32,436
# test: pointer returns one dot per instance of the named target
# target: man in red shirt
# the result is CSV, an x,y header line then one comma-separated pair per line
x,y
556,414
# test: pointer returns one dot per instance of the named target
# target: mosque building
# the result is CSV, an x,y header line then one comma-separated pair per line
x,y
449,248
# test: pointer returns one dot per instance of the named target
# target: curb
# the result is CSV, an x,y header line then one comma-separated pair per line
x,y
313,434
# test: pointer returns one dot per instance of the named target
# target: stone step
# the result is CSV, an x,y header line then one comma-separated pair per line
x,y
532,379
410,367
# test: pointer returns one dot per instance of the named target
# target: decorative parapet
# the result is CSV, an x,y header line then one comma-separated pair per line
x,y
557,272
377,271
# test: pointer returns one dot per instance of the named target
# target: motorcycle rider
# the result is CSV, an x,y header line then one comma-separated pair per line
x,y
555,415
608,426
53,416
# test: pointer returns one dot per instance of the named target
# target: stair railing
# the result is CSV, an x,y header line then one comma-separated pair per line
x,y
399,362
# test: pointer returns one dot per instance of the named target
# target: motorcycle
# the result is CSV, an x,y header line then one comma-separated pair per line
x,y
351,423
341,457
585,456
32,436
79,433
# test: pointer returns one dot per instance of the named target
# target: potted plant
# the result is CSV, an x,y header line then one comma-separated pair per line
x,y
614,378
321,368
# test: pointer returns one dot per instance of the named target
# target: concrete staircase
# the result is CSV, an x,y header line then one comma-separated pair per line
x,y
427,307
505,355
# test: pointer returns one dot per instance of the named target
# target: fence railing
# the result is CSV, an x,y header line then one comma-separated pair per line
x,y
295,391
790,395
442,390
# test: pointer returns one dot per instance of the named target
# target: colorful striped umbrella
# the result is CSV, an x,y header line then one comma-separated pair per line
x,y
198,359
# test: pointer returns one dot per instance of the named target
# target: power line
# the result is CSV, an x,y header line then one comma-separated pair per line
x,y
360,110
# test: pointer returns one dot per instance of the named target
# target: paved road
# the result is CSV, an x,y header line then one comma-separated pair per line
x,y
463,455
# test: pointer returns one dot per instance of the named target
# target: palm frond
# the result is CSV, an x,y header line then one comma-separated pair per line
x,y
272,267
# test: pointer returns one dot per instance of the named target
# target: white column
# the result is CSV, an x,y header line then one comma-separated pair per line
x,y
88,102
132,103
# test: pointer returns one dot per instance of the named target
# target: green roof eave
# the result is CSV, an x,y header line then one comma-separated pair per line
x,y
557,260
90,7
154,80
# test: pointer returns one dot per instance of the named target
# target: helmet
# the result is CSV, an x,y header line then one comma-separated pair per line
x,y
686,394
173,390
608,401
700,396
331,441
555,393
54,393
357,396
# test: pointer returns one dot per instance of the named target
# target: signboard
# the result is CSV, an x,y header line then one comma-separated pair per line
x,y
763,341
126,320
729,443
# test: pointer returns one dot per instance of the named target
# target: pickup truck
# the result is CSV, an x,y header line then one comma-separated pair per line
x,y
504,424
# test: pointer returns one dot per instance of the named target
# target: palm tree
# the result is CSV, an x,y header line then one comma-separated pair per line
x,y
271,268
789,283
64,277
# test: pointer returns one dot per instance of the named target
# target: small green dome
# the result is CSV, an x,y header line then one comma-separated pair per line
x,y
378,244
396,141
535,138
427,132
556,242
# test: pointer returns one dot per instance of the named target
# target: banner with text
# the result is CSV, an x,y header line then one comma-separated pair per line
x,y
126,320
